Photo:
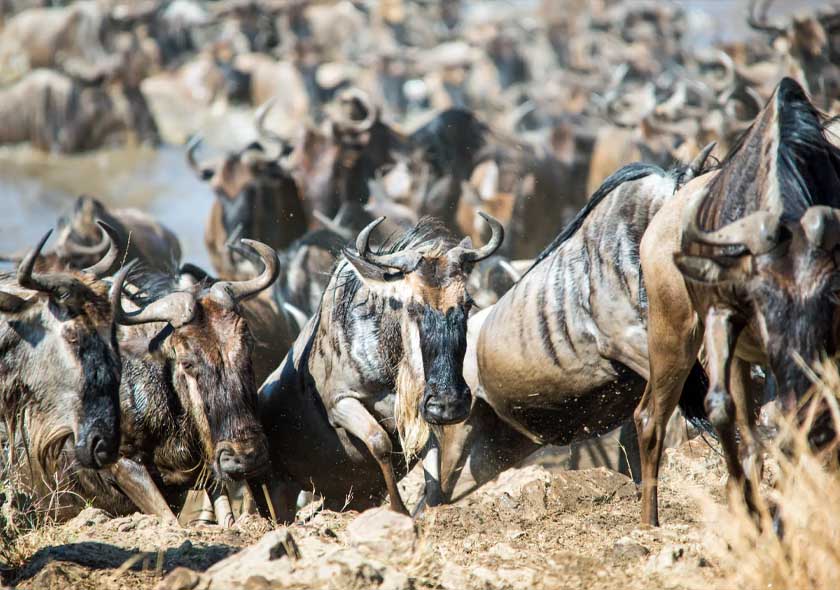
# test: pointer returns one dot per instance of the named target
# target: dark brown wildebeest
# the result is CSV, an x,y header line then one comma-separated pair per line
x,y
563,355
59,113
373,370
59,352
743,260
80,242
256,198
188,395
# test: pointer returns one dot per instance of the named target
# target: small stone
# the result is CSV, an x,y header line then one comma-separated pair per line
x,y
180,578
665,559
382,533
627,548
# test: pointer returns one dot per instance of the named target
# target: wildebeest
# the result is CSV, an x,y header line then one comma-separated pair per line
x,y
80,241
562,356
743,260
378,364
188,395
60,356
59,113
256,198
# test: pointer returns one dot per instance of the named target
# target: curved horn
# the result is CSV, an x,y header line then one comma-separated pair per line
x,y
38,282
404,260
331,225
350,124
192,146
102,268
471,255
229,293
259,122
176,308
9,303
696,167
757,232
763,26
821,225
72,247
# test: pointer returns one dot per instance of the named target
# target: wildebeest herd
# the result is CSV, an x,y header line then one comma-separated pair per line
x,y
418,271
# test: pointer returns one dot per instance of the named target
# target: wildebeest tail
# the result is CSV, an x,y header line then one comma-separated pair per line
x,y
693,397
625,174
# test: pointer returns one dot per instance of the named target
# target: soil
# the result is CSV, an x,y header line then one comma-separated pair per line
x,y
531,528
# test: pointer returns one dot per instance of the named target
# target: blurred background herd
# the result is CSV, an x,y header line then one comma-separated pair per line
x,y
587,85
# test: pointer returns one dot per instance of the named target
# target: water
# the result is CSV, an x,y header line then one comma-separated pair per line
x,y
36,188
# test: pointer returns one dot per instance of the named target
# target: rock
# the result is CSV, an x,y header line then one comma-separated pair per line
x,y
180,578
88,517
382,534
517,578
503,551
627,548
453,576
522,491
665,559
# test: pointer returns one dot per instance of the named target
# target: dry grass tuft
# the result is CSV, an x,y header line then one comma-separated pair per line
x,y
806,500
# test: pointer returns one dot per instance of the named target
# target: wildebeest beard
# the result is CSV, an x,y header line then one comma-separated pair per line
x,y
443,344
97,442
790,333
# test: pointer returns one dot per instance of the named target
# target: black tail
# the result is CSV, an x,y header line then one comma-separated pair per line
x,y
693,398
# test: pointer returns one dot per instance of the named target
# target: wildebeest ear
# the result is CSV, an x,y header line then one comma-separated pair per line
x,y
708,271
369,271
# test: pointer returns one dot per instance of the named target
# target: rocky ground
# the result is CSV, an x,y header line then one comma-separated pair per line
x,y
532,528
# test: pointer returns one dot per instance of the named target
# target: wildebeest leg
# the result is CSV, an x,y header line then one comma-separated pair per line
x,y
350,414
280,493
221,507
433,495
746,416
721,334
134,480
673,343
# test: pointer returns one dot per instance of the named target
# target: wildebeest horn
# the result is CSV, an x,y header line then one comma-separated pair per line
x,y
331,225
404,260
229,293
763,26
350,124
38,282
192,146
176,308
757,232
821,225
696,167
70,246
101,268
471,255
259,122
9,303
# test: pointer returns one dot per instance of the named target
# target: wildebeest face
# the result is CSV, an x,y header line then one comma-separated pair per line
x,y
793,291
212,371
441,310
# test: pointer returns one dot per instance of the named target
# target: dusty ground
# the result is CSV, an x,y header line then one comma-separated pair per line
x,y
530,529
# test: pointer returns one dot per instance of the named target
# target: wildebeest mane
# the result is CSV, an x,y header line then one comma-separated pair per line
x,y
807,163
627,173
428,235
154,284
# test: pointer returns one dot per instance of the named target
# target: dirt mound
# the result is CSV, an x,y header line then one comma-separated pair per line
x,y
531,528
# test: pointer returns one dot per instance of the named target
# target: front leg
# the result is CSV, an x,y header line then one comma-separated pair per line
x,y
433,495
350,414
134,480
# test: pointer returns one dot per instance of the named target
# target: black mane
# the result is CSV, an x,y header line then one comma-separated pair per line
x,y
627,173
451,141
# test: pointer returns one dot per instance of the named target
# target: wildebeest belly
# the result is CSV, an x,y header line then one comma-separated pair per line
x,y
561,417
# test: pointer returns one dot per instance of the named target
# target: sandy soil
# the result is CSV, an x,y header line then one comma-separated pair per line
x,y
529,529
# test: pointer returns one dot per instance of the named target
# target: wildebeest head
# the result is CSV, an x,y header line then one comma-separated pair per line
x,y
60,353
428,286
207,346
776,202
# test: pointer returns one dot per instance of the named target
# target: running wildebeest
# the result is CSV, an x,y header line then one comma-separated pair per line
x,y
743,260
188,395
59,352
373,370
562,356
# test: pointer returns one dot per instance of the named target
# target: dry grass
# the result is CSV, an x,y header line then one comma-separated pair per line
x,y
806,501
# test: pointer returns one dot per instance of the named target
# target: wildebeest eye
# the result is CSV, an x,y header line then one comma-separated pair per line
x,y
206,174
